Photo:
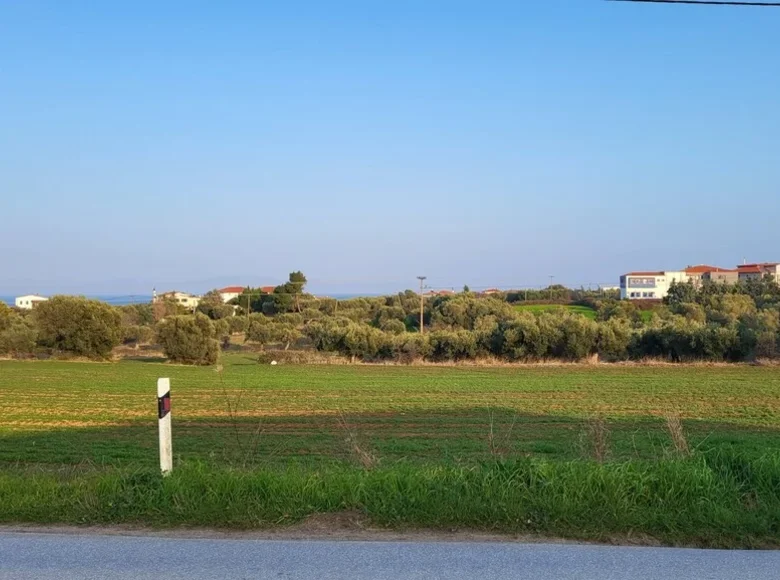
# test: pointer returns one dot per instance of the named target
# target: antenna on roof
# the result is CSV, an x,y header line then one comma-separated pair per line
x,y
744,261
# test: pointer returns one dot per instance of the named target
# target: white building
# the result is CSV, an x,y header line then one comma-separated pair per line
x,y
649,285
230,292
185,299
29,301
655,285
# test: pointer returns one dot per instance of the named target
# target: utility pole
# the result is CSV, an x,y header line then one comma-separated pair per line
x,y
551,289
422,303
248,306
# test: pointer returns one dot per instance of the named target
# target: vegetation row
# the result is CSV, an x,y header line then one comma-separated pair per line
x,y
713,322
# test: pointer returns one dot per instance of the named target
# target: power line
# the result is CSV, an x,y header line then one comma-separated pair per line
x,y
705,2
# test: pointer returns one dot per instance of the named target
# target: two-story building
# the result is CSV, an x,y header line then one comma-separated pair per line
x,y
648,285
757,271
654,285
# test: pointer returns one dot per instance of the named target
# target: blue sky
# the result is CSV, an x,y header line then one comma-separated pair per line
x,y
197,144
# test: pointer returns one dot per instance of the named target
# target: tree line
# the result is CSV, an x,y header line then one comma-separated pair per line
x,y
711,322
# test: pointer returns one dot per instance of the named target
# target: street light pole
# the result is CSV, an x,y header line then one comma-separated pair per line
x,y
422,306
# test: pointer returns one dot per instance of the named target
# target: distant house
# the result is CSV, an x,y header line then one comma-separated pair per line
x,y
698,273
758,271
228,293
436,293
185,299
655,285
29,301
722,276
490,292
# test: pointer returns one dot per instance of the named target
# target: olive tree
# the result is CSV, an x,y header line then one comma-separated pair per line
x,y
77,325
189,339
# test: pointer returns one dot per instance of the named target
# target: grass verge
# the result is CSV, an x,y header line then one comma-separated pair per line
x,y
719,499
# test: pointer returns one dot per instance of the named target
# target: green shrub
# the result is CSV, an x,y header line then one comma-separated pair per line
x,y
189,339
137,314
366,342
76,325
17,336
212,305
237,324
614,339
393,326
448,345
290,318
410,347
135,335
310,314
520,339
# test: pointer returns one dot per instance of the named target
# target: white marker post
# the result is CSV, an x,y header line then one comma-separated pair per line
x,y
164,416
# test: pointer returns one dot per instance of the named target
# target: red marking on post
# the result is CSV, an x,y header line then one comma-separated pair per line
x,y
164,405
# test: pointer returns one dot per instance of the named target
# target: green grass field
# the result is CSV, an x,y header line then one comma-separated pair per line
x,y
69,412
583,310
502,448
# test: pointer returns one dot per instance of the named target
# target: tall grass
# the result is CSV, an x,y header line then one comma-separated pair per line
x,y
716,500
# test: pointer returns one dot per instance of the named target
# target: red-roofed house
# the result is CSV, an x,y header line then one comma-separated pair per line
x,y
758,271
650,285
722,276
230,292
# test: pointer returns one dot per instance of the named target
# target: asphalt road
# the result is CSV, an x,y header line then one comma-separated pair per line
x,y
67,557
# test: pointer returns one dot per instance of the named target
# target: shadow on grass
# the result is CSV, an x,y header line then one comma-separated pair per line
x,y
145,359
468,436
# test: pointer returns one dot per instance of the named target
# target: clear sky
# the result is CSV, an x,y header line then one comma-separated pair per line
x,y
198,144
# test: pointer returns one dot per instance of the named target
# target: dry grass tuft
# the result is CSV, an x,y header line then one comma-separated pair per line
x,y
676,431
365,458
598,437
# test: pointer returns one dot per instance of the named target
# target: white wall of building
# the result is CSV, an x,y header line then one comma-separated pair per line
x,y
182,298
228,296
29,301
649,285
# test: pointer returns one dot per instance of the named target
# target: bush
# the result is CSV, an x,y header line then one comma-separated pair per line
x,y
259,329
137,314
410,347
189,339
366,342
291,318
237,324
393,326
327,334
614,338
447,345
135,335
5,315
214,307
520,339
310,314
222,330
577,337
17,336
287,334
463,311
83,327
